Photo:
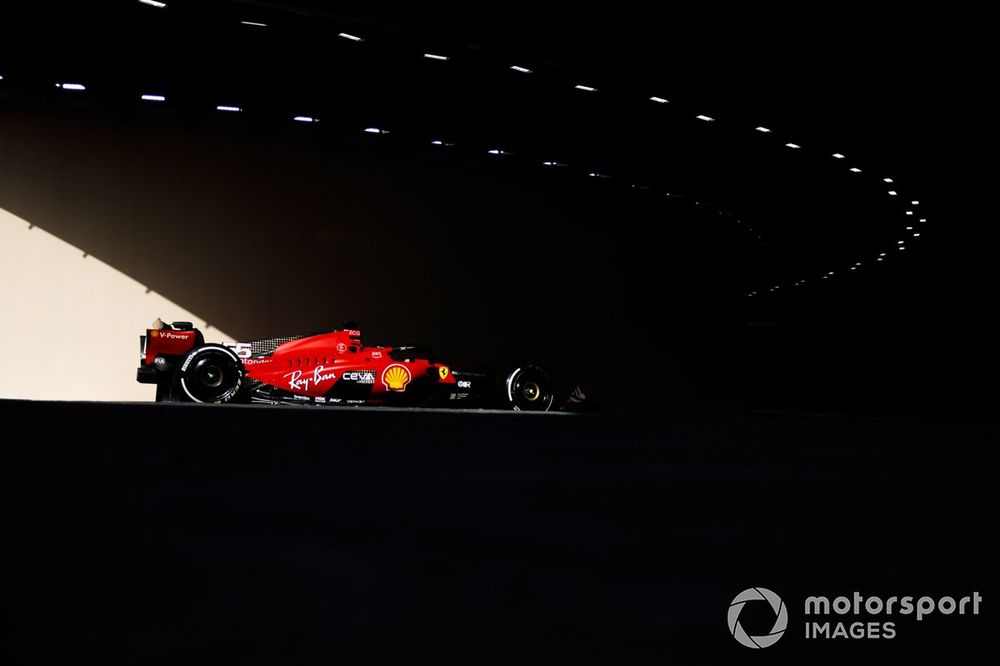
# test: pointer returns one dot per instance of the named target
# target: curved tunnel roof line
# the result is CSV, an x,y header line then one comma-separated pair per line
x,y
438,55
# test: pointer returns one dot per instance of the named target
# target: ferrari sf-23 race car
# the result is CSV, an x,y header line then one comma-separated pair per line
x,y
332,368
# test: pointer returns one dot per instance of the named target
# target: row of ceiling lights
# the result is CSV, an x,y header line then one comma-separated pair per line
x,y
663,100
230,108
900,246
501,152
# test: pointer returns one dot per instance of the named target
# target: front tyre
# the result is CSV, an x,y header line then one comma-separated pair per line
x,y
211,373
529,389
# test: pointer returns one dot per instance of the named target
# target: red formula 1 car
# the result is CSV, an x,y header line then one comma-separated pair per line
x,y
331,368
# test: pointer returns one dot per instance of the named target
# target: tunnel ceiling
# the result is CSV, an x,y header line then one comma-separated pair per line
x,y
754,137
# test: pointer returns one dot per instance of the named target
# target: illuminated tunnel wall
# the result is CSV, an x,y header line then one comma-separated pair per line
x,y
69,318
263,236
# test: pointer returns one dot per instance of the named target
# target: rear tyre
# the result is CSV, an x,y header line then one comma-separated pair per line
x,y
211,373
528,389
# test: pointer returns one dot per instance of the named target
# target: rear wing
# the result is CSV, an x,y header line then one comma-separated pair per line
x,y
163,339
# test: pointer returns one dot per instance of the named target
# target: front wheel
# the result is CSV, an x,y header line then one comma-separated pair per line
x,y
529,389
211,373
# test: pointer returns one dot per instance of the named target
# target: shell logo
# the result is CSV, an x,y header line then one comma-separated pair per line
x,y
396,377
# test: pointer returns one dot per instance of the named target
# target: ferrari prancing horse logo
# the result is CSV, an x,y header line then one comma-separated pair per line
x,y
443,371
395,377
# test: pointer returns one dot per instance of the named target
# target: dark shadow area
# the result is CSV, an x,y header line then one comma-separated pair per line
x,y
166,534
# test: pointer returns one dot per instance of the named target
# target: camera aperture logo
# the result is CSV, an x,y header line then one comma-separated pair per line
x,y
780,617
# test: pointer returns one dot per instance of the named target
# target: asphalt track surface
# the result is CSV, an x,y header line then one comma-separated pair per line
x,y
142,533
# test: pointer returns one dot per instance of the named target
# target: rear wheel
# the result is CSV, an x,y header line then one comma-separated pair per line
x,y
211,373
529,389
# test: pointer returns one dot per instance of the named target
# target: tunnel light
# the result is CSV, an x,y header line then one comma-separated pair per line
x,y
854,268
763,129
916,235
793,145
434,56
154,98
915,203
909,212
900,242
154,3
887,180
882,254
346,35
707,119
839,156
557,164
71,86
595,174
855,170
305,119
1,77
498,151
376,130
901,247
518,68
879,259
441,142
830,273
923,219
892,193
659,100
254,23
231,109
909,228
584,88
